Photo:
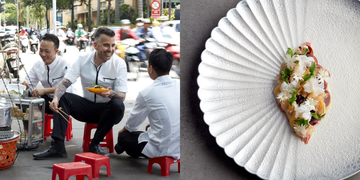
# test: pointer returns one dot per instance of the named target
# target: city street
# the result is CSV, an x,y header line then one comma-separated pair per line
x,y
122,166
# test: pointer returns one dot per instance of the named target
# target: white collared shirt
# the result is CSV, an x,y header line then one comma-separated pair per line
x,y
160,102
49,75
112,73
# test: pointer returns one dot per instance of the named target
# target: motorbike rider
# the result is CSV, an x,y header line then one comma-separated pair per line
x,y
144,33
125,32
61,34
78,33
23,32
139,24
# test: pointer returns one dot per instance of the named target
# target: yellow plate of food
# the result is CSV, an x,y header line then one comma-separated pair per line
x,y
97,89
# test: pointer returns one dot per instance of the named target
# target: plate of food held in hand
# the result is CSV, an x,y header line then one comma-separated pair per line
x,y
266,98
97,89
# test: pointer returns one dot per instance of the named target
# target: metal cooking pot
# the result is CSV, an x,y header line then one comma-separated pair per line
x,y
5,115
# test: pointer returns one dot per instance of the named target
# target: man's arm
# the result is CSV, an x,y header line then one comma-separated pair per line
x,y
60,90
119,95
41,91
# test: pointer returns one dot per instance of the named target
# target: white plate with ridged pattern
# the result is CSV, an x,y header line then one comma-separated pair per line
x,y
237,77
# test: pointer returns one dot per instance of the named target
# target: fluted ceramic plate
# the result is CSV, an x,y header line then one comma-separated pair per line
x,y
237,79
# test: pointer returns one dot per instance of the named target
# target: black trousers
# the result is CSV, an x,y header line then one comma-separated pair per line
x,y
106,115
129,141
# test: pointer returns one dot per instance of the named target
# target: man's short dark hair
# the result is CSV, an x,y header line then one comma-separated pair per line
x,y
103,30
161,60
52,38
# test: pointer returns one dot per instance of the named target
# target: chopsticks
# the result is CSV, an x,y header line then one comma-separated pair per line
x,y
61,111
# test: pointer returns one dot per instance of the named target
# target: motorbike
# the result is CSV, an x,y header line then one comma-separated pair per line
x,y
23,43
83,42
127,51
33,43
69,40
12,61
6,39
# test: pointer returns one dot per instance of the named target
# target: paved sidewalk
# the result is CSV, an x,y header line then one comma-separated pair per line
x,y
122,166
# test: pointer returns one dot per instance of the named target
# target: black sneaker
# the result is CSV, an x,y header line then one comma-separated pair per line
x,y
119,149
97,150
50,153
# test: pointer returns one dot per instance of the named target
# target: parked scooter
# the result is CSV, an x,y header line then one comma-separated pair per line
x,y
83,42
14,64
33,43
6,39
23,43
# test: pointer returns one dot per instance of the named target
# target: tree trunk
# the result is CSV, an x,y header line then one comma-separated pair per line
x,y
140,9
89,17
72,16
117,11
108,13
47,20
98,13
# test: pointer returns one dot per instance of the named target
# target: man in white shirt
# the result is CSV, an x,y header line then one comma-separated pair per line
x,y
49,71
160,103
101,67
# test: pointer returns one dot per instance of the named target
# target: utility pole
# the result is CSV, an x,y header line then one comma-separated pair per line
x,y
161,7
169,10
54,15
148,8
27,16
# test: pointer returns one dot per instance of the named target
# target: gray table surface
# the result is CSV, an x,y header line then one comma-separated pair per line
x,y
201,157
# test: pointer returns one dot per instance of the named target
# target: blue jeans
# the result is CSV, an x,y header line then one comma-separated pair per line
x,y
141,48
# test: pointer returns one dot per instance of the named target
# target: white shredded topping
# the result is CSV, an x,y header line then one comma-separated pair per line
x,y
300,129
302,111
312,85
303,59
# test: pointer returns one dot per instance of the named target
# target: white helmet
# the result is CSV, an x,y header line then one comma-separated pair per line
x,y
80,26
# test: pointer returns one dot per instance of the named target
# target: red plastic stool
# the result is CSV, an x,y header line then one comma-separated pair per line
x,y
107,142
48,130
96,161
65,170
164,163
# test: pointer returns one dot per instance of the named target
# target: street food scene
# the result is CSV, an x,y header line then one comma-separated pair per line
x,y
93,98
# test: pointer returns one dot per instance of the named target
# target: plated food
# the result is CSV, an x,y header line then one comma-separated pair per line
x,y
97,89
302,92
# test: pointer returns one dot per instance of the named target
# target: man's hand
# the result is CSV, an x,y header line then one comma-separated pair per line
x,y
122,130
54,105
26,84
106,94
38,92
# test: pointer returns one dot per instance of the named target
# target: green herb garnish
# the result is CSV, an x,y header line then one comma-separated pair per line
x,y
312,73
286,74
97,86
315,115
302,121
293,98
290,52
306,51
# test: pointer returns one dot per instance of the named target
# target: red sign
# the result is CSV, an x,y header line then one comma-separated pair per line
x,y
155,5
155,14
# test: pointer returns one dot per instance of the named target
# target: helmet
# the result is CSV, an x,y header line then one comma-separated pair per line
x,y
139,19
163,18
147,21
79,25
125,21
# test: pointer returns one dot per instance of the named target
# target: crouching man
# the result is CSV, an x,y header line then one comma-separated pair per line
x,y
160,103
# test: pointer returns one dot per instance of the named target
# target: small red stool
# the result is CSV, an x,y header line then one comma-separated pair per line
x,y
48,130
164,163
107,142
96,161
65,170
